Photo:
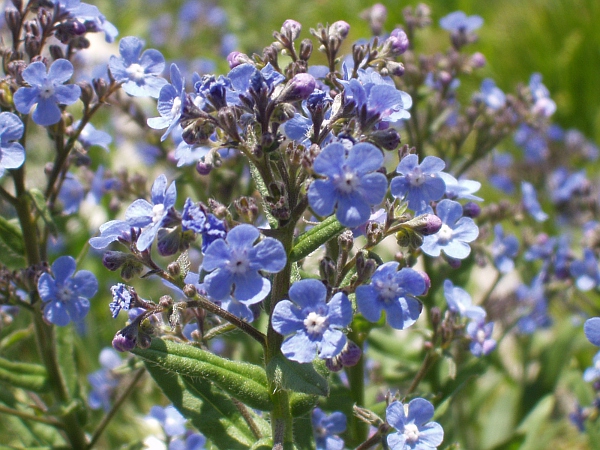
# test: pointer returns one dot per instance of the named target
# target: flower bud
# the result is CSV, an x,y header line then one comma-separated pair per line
x,y
471,209
339,29
203,168
425,224
306,48
174,269
387,139
427,281
189,290
398,41
478,60
235,59
298,88
113,260
334,364
126,339
291,29
351,354
394,68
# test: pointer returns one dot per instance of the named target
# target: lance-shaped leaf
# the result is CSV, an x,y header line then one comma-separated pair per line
x,y
32,377
243,381
209,409
315,237
296,377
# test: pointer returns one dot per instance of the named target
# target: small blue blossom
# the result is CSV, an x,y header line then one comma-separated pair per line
x,y
170,419
481,337
352,185
533,142
121,299
170,104
420,184
542,103
235,262
492,95
504,250
459,301
66,295
414,431
564,185
458,21
533,306
193,441
71,194
103,381
138,73
90,136
457,189
530,202
12,154
394,291
591,328
325,428
542,248
593,373
143,214
47,91
312,327
586,271
454,235
195,219
111,231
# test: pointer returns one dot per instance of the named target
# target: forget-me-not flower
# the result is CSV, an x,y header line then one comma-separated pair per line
x,y
543,104
413,429
458,21
151,216
90,136
326,427
533,306
111,231
530,202
12,153
193,441
71,194
312,327
66,295
504,250
492,95
139,73
591,328
394,291
47,91
235,262
586,271
170,419
207,225
170,104
352,185
460,302
481,337
419,184
121,299
103,381
454,235
456,189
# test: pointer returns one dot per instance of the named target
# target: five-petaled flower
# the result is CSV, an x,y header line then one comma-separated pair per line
x,y
66,295
414,431
481,337
459,301
235,262
326,427
171,101
394,291
12,154
47,91
138,73
312,327
351,184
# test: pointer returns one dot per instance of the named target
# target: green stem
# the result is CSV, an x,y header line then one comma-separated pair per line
x,y
356,378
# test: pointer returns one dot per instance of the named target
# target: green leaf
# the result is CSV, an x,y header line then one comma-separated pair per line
x,y
209,409
315,237
39,201
32,377
300,403
243,381
264,193
12,237
296,377
263,444
65,352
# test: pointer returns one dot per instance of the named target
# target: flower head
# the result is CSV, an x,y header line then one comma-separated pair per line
x,y
530,202
481,337
234,262
103,381
171,100
66,295
12,154
504,250
312,327
170,419
492,95
460,302
414,431
139,73
458,21
111,231
394,291
90,136
591,328
47,91
352,185
455,233
325,428
586,271
419,184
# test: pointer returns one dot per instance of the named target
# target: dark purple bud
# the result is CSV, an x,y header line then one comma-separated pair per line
x,y
350,354
453,262
126,339
334,364
203,168
298,88
237,58
478,60
427,281
339,29
291,29
306,48
395,68
114,260
471,209
387,139
398,41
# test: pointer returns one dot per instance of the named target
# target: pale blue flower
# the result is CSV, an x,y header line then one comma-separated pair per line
x,y
12,153
171,101
481,337
492,95
413,429
530,202
504,250
457,189
591,328
170,419
593,373
458,21
325,428
459,301
586,271
103,381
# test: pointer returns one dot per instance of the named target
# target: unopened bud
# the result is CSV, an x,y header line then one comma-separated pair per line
x,y
339,29
388,139
190,290
291,29
235,59
351,354
427,281
306,48
298,88
203,168
471,209
126,339
174,269
478,60
398,41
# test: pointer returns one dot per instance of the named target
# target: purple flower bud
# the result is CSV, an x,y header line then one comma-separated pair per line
x,y
432,225
114,260
453,262
126,339
298,88
203,168
334,364
398,41
235,59
471,209
427,281
350,354
339,29
478,60
291,29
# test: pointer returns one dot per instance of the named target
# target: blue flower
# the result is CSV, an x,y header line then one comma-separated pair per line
x,y
235,261
456,189
459,301
504,250
533,142
414,431
90,136
46,91
492,95
455,234
143,214
564,184
66,295
393,291
420,184
326,427
121,299
458,21
71,194
351,184
91,17
111,231
543,248
593,373
591,328
533,306
530,202
586,271
312,327
12,154
103,381
481,337
193,441
195,219
542,103
170,419
170,104
138,73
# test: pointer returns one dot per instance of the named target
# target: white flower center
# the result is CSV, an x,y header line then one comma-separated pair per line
x,y
315,324
347,183
480,336
238,263
176,108
47,89
411,432
445,234
416,178
136,72
158,211
387,289
64,293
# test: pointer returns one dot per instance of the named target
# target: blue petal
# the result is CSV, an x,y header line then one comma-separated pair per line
x,y
308,293
364,158
332,344
340,310
85,284
35,74
411,281
268,255
218,284
465,230
12,156
394,415
47,112
408,163
322,197
420,411
242,236
158,190
63,268
300,348
449,211
250,287
432,164
330,160
47,287
591,328
153,62
367,302
60,71
431,434
373,187
77,309
130,48
11,127
287,318
352,211
216,255
67,95
56,313
457,249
